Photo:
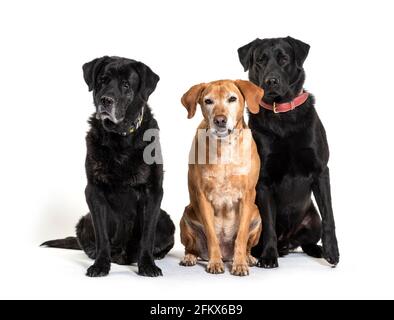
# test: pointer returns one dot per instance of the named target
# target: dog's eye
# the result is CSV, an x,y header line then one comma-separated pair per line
x,y
232,99
104,79
126,85
282,60
208,101
262,59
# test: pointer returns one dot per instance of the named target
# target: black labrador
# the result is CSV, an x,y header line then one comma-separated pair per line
x,y
294,151
124,192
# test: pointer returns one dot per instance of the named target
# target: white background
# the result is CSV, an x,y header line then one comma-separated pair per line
x,y
45,105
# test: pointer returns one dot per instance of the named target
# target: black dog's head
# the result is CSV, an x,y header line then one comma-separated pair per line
x,y
121,87
276,65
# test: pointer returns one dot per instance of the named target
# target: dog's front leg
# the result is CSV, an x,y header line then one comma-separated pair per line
x,y
240,263
268,244
99,210
207,214
322,192
149,212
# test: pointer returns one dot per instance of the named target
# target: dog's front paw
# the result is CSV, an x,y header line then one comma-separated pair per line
x,y
331,254
268,263
189,260
269,258
240,270
330,250
215,266
149,270
98,270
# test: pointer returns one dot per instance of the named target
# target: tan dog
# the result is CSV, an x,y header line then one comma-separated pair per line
x,y
222,222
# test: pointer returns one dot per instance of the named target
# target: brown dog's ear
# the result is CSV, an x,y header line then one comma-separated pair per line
x,y
191,97
252,94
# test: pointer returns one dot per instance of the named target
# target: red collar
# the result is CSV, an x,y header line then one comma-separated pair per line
x,y
287,106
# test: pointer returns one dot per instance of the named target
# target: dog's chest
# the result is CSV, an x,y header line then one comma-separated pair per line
x,y
111,168
293,156
222,185
224,181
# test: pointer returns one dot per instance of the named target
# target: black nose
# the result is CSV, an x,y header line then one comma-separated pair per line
x,y
272,81
107,102
220,121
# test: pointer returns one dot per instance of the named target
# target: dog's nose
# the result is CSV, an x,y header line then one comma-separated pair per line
x,y
220,121
107,102
272,81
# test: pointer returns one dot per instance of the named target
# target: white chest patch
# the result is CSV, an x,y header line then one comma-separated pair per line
x,y
223,193
225,197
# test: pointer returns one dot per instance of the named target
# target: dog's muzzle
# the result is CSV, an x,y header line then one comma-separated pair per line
x,y
222,133
220,127
107,110
108,113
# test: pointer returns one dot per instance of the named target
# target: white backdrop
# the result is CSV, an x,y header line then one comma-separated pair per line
x,y
45,105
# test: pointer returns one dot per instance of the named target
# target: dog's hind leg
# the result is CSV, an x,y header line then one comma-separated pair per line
x,y
313,250
254,236
86,237
120,232
164,240
86,240
189,239
309,234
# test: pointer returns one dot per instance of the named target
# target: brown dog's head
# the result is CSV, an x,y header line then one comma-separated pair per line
x,y
222,103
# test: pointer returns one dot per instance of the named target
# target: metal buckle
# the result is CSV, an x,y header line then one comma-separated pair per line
x,y
274,108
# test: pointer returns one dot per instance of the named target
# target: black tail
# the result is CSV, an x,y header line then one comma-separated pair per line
x,y
67,243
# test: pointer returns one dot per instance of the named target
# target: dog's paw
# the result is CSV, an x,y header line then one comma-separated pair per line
x,y
252,261
98,270
215,267
268,263
149,270
313,250
330,249
269,258
240,270
189,260
283,252
331,255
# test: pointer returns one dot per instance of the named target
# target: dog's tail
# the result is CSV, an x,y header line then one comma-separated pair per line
x,y
67,243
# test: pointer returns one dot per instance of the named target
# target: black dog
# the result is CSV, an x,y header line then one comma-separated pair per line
x,y
124,193
294,152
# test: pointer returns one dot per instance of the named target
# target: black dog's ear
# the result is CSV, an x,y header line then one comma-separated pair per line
x,y
245,54
91,70
149,80
301,50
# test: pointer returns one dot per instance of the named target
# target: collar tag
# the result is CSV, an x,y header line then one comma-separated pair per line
x,y
137,123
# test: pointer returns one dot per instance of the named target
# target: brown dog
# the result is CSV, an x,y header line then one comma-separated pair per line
x,y
222,222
